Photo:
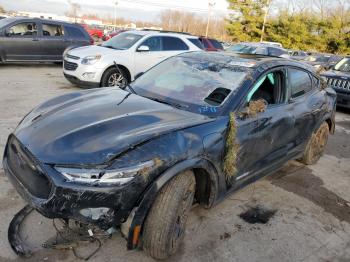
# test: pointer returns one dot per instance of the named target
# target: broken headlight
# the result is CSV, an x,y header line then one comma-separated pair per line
x,y
103,176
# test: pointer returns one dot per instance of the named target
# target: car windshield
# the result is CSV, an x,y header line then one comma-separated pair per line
x,y
248,49
343,65
194,84
4,22
122,41
322,59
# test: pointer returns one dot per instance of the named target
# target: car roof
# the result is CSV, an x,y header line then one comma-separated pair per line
x,y
158,32
19,18
246,60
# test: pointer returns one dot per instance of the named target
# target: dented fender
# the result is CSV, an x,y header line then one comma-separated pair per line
x,y
137,217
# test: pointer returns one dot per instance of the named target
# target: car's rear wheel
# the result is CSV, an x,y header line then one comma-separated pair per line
x,y
114,78
316,145
165,225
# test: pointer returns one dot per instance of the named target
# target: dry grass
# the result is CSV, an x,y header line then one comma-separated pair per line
x,y
232,148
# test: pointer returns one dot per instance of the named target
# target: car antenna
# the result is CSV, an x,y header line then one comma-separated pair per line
x,y
120,72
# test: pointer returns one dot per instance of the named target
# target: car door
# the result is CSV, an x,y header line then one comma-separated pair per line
x,y
306,102
275,135
53,41
145,59
22,41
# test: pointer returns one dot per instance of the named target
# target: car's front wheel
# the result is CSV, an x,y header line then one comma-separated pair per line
x,y
165,225
115,78
316,145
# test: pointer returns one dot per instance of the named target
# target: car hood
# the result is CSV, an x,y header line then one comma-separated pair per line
x,y
91,128
336,74
91,50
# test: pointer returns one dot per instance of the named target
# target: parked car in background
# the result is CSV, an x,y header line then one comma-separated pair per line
x,y
298,55
111,34
339,79
258,49
322,61
33,39
191,130
96,32
211,44
134,52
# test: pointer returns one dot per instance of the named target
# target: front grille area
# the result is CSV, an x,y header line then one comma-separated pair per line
x,y
24,167
73,57
338,83
70,65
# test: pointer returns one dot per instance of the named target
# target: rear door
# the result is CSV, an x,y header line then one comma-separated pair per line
x,y
53,41
21,41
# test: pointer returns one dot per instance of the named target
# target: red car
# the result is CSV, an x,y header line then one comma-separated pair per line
x,y
211,44
113,33
94,31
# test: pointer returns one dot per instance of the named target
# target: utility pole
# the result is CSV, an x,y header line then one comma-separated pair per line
x,y
115,13
267,9
211,4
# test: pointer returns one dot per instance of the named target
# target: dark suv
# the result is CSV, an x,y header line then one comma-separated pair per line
x,y
32,39
339,79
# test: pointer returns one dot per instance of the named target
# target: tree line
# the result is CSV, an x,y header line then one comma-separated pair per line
x,y
318,25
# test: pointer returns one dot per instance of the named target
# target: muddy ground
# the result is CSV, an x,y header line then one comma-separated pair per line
x,y
309,207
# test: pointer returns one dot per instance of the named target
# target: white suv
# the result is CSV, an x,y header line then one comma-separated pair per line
x,y
133,52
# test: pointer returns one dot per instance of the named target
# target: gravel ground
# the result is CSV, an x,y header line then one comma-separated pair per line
x,y
312,204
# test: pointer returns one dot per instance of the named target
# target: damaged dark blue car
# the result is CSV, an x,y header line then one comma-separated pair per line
x,y
192,129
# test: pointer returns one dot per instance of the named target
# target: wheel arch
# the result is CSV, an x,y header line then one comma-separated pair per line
x,y
127,71
206,193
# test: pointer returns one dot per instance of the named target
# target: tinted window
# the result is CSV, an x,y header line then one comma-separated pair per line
x,y
205,43
23,29
300,82
75,32
173,44
153,43
196,42
216,44
52,30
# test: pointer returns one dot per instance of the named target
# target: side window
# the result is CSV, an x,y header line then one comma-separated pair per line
x,y
274,51
299,81
173,44
53,30
196,42
75,32
23,30
270,88
153,43
205,43
216,44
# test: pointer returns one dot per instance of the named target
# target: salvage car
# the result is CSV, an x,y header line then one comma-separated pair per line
x,y
134,52
34,39
193,129
339,79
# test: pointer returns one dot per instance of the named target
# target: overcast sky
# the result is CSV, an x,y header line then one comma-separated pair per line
x,y
131,9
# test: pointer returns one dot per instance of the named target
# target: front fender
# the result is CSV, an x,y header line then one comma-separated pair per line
x,y
134,225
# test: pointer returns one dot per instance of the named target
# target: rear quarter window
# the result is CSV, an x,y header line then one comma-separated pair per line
x,y
216,44
300,82
75,32
173,44
196,42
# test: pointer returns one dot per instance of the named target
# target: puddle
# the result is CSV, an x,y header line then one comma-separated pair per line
x,y
257,215
303,183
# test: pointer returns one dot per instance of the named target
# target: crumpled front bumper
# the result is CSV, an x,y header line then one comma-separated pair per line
x,y
103,206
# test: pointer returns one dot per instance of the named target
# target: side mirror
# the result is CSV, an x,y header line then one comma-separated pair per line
x,y
143,48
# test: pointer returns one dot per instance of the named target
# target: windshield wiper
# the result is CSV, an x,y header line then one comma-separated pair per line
x,y
131,89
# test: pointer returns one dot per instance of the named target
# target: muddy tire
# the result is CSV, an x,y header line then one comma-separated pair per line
x,y
114,78
165,225
316,145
